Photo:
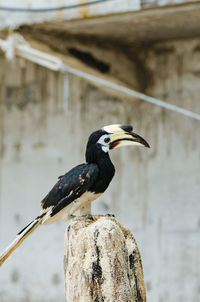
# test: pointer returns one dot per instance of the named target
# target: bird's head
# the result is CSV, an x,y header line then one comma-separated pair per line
x,y
112,137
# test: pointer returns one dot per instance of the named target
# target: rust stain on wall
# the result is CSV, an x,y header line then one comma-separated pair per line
x,y
84,10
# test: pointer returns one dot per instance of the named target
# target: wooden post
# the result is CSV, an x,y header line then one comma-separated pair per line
x,y
102,262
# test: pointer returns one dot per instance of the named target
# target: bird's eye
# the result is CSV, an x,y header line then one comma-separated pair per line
x,y
106,140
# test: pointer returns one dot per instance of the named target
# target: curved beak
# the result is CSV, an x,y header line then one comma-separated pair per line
x,y
120,139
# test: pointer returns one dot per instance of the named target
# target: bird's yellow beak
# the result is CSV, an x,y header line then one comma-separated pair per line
x,y
120,139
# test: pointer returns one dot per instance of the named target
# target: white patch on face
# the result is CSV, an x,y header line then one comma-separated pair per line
x,y
113,128
105,148
104,143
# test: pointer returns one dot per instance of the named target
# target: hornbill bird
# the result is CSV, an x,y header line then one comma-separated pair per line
x,y
84,183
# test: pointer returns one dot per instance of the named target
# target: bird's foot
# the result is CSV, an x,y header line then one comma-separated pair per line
x,y
110,215
88,216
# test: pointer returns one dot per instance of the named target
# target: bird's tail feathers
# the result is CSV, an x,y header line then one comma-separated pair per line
x,y
23,234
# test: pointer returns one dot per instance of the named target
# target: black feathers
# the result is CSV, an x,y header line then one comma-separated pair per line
x,y
93,150
94,137
94,176
71,186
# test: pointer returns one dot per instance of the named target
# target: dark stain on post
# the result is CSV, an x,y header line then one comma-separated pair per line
x,y
131,261
97,280
138,297
96,269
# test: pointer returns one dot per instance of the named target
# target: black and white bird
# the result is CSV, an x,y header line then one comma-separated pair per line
x,y
84,183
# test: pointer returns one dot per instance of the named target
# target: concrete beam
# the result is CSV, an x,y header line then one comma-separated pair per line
x,y
142,26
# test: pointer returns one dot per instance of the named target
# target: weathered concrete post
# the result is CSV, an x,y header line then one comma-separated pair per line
x,y
102,262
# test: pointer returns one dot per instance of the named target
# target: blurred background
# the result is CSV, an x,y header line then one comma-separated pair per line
x,y
46,116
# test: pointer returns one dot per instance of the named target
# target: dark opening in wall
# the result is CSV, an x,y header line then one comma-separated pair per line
x,y
90,60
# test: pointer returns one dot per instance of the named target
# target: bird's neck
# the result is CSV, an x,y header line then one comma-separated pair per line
x,y
95,155
105,165
106,170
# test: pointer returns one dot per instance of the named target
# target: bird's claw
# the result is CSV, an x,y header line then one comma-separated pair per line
x,y
88,216
110,215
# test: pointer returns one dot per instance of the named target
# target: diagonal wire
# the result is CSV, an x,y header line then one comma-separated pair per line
x,y
16,45
130,92
49,9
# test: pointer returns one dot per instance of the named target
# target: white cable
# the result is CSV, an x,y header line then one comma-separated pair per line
x,y
38,57
22,49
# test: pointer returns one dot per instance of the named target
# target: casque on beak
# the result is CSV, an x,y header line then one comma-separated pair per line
x,y
120,139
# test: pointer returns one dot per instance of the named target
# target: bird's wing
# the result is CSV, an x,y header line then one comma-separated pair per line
x,y
70,187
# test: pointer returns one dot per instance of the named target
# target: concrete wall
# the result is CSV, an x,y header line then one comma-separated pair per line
x,y
155,192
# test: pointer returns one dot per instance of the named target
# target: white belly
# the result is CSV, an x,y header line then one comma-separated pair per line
x,y
65,214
